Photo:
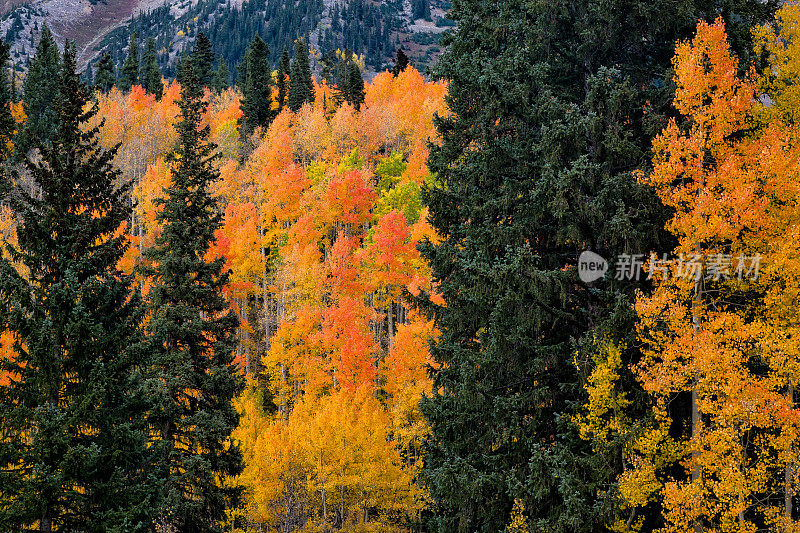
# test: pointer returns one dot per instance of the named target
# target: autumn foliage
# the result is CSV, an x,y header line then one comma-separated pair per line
x,y
695,416
719,449
320,234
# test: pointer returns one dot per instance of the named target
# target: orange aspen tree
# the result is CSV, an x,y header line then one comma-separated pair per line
x,y
340,222
780,118
717,463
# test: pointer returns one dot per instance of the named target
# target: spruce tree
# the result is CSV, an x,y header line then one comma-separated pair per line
x,y
421,9
105,77
222,76
151,74
241,69
192,379
40,92
257,93
202,59
73,455
401,63
534,167
88,79
284,69
7,123
129,75
301,85
354,88
329,64
14,94
183,62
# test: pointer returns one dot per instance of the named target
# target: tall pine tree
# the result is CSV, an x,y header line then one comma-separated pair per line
x,y
151,74
88,79
257,93
105,78
401,62
129,75
553,107
301,85
192,379
183,62
241,70
284,69
222,76
202,59
73,454
421,9
7,123
40,92
354,86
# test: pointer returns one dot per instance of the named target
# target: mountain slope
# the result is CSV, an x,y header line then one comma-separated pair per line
x,y
374,29
85,21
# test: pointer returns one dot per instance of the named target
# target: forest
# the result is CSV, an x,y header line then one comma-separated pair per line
x,y
551,285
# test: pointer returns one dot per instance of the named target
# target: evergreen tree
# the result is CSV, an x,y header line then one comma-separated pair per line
x,y
73,455
202,59
336,23
87,76
40,92
301,85
192,379
535,166
129,75
336,71
105,78
421,9
7,123
257,93
180,68
354,88
14,94
330,61
222,76
284,69
241,70
151,74
401,63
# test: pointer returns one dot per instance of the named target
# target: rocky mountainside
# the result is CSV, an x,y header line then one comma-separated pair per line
x,y
85,21
374,29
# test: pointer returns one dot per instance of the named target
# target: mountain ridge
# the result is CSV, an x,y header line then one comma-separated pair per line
x,y
372,29
84,21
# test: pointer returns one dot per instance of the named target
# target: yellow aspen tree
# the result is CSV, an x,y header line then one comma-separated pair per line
x,y
716,464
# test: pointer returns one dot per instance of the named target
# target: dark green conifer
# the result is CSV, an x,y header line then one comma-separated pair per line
x,y
257,93
88,79
421,9
202,59
179,66
73,454
241,70
222,76
535,166
301,85
129,75
7,123
192,379
151,74
105,78
329,63
284,69
354,87
14,93
401,63
40,92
